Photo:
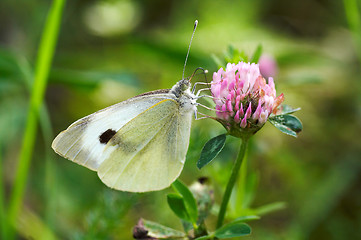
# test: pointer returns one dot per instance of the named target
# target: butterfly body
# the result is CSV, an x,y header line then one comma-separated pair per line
x,y
136,145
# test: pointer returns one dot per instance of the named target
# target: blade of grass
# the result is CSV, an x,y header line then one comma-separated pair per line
x,y
49,188
354,23
3,219
46,129
43,63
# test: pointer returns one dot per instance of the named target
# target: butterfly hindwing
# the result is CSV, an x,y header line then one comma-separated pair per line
x,y
148,152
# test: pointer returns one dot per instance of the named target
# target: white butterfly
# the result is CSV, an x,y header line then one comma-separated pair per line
x,y
137,145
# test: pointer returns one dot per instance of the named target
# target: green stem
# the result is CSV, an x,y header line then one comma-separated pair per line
x,y
242,184
231,182
45,56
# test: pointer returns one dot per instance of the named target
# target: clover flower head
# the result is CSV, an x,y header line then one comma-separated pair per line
x,y
244,99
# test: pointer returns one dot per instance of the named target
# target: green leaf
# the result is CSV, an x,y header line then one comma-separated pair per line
x,y
246,218
204,238
287,124
286,109
187,226
271,207
176,203
233,229
211,149
157,230
257,54
188,198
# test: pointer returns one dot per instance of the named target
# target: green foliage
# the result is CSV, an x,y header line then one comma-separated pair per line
x,y
233,229
188,199
233,55
45,55
103,220
318,69
287,124
176,203
352,12
246,218
286,109
3,222
155,230
211,149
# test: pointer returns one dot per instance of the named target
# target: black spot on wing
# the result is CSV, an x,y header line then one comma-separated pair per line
x,y
106,136
203,180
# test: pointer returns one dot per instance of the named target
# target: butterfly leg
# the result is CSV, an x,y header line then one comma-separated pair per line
x,y
199,83
211,109
203,89
197,97
204,116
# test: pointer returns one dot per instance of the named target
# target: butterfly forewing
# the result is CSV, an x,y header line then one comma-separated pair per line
x,y
148,152
84,141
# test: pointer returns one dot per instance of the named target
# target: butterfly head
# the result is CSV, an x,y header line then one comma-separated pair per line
x,y
181,87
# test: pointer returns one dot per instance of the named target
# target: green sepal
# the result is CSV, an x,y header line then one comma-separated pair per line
x,y
233,55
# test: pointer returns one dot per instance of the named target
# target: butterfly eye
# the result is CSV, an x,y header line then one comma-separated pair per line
x,y
185,86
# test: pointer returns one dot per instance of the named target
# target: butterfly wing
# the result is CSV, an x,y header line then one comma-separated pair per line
x,y
84,141
148,152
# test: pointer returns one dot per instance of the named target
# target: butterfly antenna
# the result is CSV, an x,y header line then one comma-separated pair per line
x,y
204,71
189,47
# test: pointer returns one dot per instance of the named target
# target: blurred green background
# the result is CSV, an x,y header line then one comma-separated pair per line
x,y
108,51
